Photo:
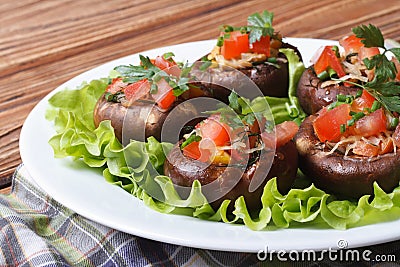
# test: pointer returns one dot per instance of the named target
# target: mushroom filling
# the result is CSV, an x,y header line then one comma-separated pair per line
x,y
352,145
215,141
247,59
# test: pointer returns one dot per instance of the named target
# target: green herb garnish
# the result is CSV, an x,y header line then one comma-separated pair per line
x,y
242,111
116,98
147,70
259,25
132,73
168,55
205,63
192,138
342,128
355,117
382,87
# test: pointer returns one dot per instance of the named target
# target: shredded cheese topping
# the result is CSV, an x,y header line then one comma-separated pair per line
x,y
245,61
382,144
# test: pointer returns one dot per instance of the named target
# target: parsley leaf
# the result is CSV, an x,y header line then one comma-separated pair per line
x,y
371,35
243,111
263,20
391,103
147,70
132,73
168,55
249,119
234,102
260,25
386,92
382,87
383,67
396,52
389,88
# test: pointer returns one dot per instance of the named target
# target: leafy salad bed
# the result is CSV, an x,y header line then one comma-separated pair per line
x,y
304,205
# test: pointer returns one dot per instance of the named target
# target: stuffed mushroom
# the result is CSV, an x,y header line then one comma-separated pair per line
x,y
345,150
137,105
353,142
217,153
248,53
335,72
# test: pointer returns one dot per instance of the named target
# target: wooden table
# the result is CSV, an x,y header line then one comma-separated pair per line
x,y
45,43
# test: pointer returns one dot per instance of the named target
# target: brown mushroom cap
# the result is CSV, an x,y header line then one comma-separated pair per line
x,y
312,97
143,119
351,176
271,79
184,170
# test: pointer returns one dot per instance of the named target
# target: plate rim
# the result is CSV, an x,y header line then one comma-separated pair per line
x,y
171,235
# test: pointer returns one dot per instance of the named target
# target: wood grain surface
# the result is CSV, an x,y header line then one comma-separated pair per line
x,y
45,43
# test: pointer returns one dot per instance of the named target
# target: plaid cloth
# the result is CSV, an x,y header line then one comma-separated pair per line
x,y
38,231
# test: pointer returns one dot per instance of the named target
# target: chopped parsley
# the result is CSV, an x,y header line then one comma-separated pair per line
x,y
192,138
147,70
382,87
258,25
242,111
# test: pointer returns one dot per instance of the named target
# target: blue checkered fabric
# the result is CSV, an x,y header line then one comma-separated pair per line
x,y
38,231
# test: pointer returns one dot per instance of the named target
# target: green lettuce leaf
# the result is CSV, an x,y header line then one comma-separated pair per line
x,y
137,169
283,108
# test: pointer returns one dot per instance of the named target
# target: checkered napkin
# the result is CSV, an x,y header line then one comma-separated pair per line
x,y
38,231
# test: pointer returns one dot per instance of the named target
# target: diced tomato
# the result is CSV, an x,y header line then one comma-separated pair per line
x,y
235,45
192,150
208,150
366,149
167,65
167,100
269,139
364,101
368,52
327,59
327,124
214,130
137,90
164,96
386,146
283,133
202,151
116,85
351,44
262,46
163,63
370,125
322,62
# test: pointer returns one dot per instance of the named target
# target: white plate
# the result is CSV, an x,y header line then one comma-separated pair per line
x,y
85,191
